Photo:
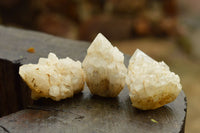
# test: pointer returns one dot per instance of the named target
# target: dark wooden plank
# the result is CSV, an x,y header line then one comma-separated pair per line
x,y
84,113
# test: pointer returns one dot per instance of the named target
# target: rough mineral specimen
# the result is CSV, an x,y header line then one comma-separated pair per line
x,y
53,78
151,84
104,68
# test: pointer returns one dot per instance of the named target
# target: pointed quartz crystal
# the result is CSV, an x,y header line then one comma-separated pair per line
x,y
104,68
151,84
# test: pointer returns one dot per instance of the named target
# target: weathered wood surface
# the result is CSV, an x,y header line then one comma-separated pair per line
x,y
84,113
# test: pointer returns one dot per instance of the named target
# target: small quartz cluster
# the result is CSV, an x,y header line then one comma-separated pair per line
x,y
151,83
53,78
104,68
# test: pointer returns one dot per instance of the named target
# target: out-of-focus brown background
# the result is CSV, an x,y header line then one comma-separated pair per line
x,y
167,30
83,19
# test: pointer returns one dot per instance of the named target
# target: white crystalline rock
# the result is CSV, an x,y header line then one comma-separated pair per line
x,y
151,84
104,68
53,78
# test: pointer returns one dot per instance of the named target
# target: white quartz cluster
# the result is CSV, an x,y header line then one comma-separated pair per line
x,y
151,83
53,78
104,68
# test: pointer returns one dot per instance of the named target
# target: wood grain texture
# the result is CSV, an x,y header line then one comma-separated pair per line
x,y
84,113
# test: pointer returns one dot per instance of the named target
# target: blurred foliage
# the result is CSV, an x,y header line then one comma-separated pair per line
x,y
83,19
184,43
